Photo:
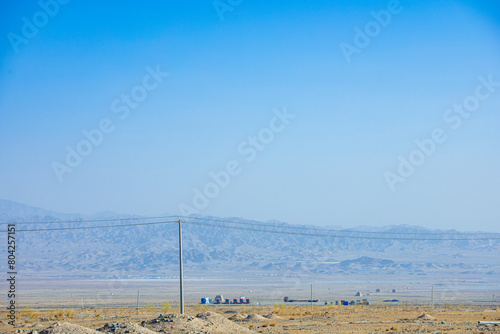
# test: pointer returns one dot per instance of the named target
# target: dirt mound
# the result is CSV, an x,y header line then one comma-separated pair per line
x,y
237,316
255,317
426,316
67,328
210,316
272,316
203,322
123,328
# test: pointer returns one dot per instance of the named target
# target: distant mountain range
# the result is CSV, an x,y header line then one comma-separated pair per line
x,y
211,249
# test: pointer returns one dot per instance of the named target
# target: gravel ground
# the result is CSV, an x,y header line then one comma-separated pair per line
x,y
292,320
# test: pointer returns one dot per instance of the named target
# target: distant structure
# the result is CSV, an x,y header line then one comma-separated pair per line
x,y
377,290
393,290
358,294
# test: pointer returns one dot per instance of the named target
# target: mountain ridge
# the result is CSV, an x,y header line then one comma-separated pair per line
x,y
210,246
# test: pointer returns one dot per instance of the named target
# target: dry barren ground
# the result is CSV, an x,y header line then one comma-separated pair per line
x,y
260,319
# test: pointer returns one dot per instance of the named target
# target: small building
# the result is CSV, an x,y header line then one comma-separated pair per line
x,y
358,294
377,290
393,291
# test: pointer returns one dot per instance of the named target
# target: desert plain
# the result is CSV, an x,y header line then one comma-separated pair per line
x,y
98,305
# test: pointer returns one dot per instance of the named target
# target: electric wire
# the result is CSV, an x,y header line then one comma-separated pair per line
x,y
88,220
246,223
269,229
333,230
341,236
92,227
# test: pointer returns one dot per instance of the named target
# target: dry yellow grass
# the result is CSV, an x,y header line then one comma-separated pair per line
x,y
30,313
357,319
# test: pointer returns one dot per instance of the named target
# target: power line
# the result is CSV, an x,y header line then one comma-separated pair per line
x,y
88,220
239,223
334,230
268,226
338,236
91,227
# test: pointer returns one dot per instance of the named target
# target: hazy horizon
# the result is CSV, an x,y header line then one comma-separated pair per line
x,y
327,113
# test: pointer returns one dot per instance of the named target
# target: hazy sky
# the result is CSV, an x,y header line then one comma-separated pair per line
x,y
322,112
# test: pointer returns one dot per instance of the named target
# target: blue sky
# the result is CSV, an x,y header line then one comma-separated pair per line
x,y
227,79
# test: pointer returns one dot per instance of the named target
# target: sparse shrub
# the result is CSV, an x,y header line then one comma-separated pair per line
x,y
59,314
282,309
122,311
150,308
278,308
70,313
200,308
245,309
165,307
30,313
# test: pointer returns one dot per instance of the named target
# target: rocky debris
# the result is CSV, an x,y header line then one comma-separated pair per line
x,y
272,316
123,328
206,322
256,318
67,328
426,316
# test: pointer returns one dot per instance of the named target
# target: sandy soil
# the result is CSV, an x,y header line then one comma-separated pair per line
x,y
71,292
262,319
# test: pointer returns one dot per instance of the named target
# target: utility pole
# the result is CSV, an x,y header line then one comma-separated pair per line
x,y
432,297
137,302
181,270
311,299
